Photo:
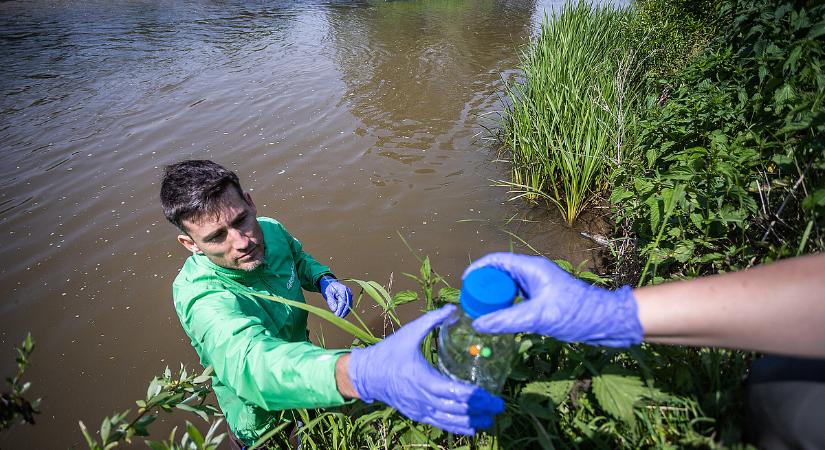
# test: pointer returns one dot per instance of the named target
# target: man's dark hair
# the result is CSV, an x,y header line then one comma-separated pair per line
x,y
193,188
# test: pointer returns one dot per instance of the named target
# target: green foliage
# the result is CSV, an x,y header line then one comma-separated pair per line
x,y
568,117
14,407
741,137
726,172
186,392
558,396
671,33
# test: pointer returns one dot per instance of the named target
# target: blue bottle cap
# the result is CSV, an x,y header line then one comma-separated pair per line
x,y
486,290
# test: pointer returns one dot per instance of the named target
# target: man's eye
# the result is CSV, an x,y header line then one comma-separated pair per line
x,y
216,237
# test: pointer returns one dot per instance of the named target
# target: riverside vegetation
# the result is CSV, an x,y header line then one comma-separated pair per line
x,y
700,125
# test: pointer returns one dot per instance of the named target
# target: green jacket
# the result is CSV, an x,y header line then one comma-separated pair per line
x,y
259,348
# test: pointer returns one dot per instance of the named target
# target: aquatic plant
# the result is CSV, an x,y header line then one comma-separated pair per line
x,y
568,116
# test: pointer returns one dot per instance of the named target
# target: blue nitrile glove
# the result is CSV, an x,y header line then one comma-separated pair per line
x,y
561,306
395,372
337,295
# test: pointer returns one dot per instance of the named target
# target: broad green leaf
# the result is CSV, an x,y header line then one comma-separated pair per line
x,y
620,194
617,390
655,212
556,390
683,251
449,295
565,265
784,94
404,297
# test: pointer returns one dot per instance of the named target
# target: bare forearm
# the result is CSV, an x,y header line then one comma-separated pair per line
x,y
776,308
342,379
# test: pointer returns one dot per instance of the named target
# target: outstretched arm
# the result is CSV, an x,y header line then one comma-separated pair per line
x,y
775,308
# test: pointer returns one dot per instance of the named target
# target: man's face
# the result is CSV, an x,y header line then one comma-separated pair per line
x,y
232,238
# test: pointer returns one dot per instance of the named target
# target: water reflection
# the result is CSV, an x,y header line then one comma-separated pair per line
x,y
414,70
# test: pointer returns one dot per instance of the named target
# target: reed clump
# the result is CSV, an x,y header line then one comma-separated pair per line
x,y
568,116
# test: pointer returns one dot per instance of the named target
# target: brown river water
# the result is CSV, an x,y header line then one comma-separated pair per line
x,y
350,122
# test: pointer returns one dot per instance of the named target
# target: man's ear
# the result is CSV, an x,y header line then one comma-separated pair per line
x,y
190,245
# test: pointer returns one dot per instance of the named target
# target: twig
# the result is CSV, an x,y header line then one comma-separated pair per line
x,y
785,202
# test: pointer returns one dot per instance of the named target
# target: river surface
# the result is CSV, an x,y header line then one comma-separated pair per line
x,y
350,122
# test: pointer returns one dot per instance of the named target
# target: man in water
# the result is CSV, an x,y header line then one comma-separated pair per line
x,y
259,349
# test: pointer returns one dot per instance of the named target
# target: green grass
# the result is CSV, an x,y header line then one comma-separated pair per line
x,y
559,395
569,115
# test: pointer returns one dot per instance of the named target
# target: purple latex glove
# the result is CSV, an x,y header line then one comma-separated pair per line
x,y
561,306
337,295
395,372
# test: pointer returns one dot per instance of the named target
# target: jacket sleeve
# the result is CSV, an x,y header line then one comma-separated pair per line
x,y
261,368
309,270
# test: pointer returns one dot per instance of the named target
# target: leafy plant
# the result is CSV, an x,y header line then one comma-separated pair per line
x,y
741,139
186,392
559,395
568,117
14,407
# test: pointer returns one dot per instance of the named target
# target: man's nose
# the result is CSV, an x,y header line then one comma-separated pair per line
x,y
240,240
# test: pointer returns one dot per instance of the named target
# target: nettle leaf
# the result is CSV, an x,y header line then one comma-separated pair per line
x,y
655,212
763,72
556,389
449,295
617,391
783,94
684,251
565,265
404,297
697,220
643,187
620,194
791,63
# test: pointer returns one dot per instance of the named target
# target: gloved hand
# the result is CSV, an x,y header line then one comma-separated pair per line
x,y
561,306
337,295
395,372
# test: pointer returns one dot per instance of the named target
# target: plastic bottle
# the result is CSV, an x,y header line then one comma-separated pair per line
x,y
465,354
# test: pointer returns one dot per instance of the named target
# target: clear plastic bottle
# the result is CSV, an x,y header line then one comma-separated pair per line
x,y
465,354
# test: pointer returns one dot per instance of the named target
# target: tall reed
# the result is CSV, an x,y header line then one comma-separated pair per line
x,y
568,115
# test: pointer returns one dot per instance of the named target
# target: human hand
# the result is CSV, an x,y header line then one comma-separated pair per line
x,y
337,295
561,306
395,372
